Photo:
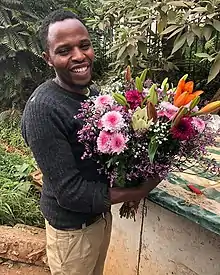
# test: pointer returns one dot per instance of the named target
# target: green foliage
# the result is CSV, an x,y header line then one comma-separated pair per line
x,y
190,22
161,34
19,201
10,131
21,65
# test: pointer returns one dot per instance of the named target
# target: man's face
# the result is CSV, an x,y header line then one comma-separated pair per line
x,y
70,52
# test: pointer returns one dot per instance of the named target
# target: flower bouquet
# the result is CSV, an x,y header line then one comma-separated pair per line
x,y
141,132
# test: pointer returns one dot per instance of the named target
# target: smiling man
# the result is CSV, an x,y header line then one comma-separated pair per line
x,y
76,200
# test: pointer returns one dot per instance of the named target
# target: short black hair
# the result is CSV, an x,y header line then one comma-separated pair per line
x,y
53,17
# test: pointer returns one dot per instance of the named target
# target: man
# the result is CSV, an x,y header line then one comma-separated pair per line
x,y
76,199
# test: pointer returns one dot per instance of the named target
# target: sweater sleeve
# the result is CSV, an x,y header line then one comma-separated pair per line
x,y
44,133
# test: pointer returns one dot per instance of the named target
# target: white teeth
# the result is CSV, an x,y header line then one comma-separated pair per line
x,y
80,70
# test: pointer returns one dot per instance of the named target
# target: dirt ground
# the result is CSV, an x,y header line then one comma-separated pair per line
x,y
11,268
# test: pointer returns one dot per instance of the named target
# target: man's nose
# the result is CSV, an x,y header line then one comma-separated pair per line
x,y
78,55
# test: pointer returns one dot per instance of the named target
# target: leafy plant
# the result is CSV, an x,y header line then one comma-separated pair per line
x,y
21,65
161,34
192,21
10,130
19,201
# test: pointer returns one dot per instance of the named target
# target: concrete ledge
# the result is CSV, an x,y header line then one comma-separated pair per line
x,y
24,244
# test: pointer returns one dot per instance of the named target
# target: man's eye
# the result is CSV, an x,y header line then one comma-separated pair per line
x,y
63,52
85,46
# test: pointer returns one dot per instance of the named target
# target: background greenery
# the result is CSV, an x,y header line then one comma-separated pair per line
x,y
19,200
21,65
170,38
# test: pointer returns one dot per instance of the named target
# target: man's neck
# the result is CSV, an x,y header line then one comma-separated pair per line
x,y
73,88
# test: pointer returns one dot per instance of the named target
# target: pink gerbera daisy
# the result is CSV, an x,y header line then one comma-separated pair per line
x,y
103,142
184,130
112,121
118,143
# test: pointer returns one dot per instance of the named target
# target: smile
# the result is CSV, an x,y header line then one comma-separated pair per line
x,y
80,70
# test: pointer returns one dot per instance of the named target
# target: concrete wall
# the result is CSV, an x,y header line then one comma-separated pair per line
x,y
171,245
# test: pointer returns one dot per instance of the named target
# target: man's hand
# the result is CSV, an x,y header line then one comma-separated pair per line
x,y
135,194
134,205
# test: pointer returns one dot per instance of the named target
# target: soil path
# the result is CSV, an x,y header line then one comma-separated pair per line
x,y
10,268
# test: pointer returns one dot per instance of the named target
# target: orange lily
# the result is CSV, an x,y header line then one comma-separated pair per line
x,y
184,93
209,108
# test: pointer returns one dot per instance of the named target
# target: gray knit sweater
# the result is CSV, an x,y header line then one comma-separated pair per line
x,y
73,190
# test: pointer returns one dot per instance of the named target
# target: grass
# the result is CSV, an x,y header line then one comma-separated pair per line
x,y
19,199
10,132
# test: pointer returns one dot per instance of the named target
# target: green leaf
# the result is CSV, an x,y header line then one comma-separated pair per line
x,y
152,149
139,84
196,29
199,9
121,51
162,24
169,29
179,43
194,102
131,50
178,4
143,48
153,96
113,49
164,83
143,75
202,55
216,25
101,26
175,32
120,99
215,69
171,15
210,16
190,38
207,32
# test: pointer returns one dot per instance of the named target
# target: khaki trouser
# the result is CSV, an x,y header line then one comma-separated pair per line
x,y
79,252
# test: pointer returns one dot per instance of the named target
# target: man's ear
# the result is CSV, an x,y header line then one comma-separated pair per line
x,y
46,57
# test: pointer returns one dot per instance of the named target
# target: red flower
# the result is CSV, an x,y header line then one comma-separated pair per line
x,y
133,98
184,130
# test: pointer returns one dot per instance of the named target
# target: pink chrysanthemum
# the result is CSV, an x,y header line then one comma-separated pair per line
x,y
184,130
99,124
118,143
102,101
133,98
198,124
103,142
112,121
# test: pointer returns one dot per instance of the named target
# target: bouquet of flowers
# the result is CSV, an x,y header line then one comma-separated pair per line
x,y
141,132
